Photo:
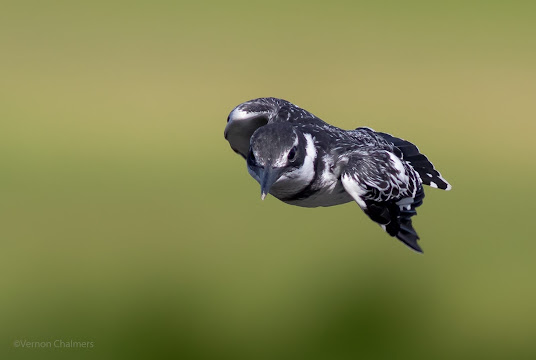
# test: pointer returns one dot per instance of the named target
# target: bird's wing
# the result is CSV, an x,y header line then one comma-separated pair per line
x,y
411,153
250,115
386,188
404,150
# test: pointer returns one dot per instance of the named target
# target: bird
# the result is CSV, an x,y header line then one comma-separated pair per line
x,y
301,160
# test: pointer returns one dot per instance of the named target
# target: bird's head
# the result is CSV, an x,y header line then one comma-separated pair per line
x,y
278,153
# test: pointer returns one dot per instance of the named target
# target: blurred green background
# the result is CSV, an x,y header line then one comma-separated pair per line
x,y
126,219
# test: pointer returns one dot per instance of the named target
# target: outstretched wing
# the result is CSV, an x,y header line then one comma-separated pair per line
x,y
387,189
250,115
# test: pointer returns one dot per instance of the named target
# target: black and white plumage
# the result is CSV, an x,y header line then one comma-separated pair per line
x,y
303,161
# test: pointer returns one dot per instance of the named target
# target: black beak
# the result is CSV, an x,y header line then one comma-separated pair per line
x,y
269,176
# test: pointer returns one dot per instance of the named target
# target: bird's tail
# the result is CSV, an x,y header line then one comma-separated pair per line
x,y
410,153
395,218
401,225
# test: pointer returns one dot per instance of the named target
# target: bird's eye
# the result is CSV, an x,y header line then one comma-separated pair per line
x,y
252,157
292,154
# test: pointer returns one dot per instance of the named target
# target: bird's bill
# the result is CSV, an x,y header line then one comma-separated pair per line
x,y
268,178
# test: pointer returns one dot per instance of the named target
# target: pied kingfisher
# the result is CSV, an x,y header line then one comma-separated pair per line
x,y
303,161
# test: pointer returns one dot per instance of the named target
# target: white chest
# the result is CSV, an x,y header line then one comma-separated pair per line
x,y
324,197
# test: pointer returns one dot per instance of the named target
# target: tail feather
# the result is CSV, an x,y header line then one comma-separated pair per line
x,y
426,170
402,225
408,235
395,218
